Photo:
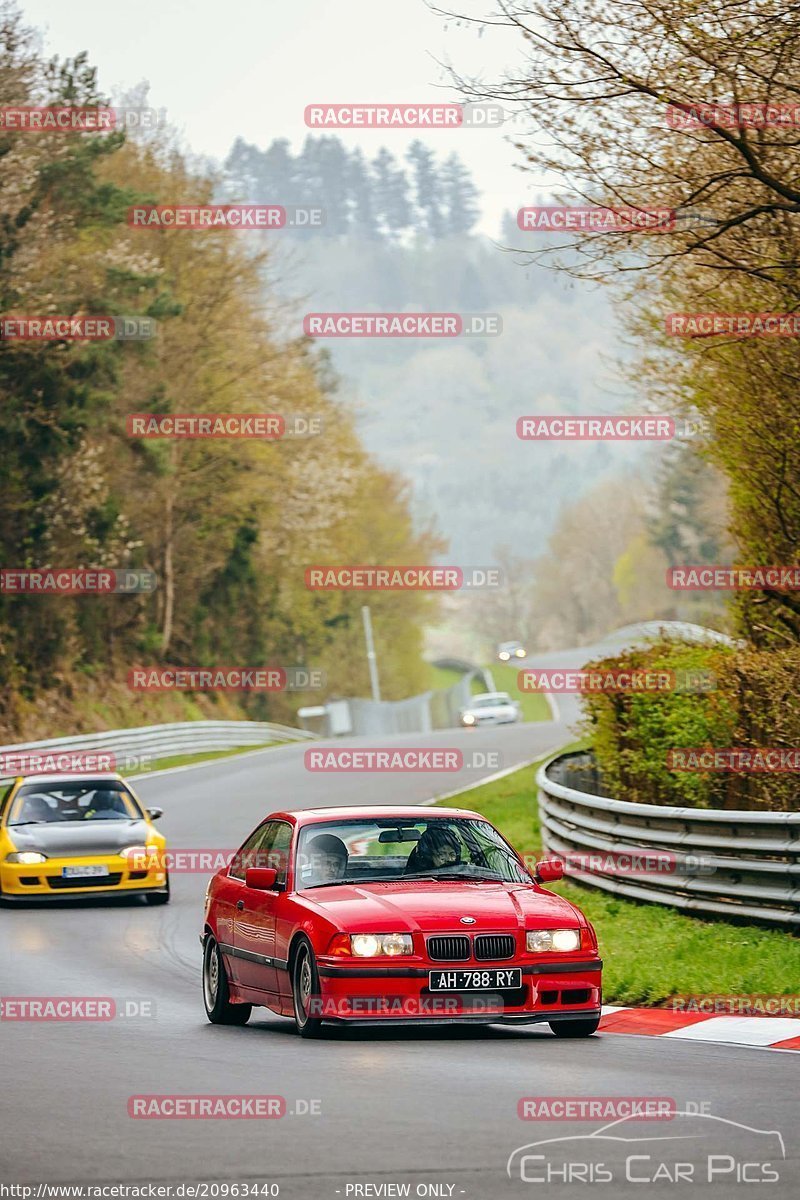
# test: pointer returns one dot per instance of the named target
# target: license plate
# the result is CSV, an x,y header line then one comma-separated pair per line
x,y
474,980
83,872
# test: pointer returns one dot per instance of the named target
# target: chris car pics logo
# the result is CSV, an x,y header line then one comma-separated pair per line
x,y
698,1148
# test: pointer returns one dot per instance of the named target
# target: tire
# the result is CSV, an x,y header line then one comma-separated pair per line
x,y
575,1029
305,984
159,897
219,1009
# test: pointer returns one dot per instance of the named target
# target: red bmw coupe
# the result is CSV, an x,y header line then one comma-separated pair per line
x,y
387,915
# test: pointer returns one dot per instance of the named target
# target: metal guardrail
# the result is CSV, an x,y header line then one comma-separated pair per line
x,y
467,668
153,742
732,863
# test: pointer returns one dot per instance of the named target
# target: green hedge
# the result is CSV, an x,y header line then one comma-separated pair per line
x,y
753,702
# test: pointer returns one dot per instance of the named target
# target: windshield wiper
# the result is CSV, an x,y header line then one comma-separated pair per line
x,y
106,820
438,877
366,879
462,875
19,824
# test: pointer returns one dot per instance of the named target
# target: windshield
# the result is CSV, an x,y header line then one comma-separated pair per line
x,y
108,800
490,701
387,850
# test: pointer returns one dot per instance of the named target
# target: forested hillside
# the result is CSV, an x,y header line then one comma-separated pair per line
x,y
444,412
228,526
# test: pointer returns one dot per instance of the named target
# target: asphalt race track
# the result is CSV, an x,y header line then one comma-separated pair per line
x,y
430,1107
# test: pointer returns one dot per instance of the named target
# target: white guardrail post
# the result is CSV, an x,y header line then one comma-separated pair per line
x,y
153,742
731,863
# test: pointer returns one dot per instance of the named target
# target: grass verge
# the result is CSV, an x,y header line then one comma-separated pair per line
x,y
650,953
533,704
440,678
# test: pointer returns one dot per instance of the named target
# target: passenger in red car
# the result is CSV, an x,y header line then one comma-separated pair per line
x,y
327,857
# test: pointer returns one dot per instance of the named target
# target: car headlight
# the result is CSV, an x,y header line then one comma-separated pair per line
x,y
28,857
537,940
504,656
467,719
141,855
368,945
520,653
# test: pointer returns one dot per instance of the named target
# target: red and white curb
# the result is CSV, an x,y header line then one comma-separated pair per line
x,y
766,1033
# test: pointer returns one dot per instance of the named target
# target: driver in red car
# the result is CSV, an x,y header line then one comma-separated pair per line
x,y
438,847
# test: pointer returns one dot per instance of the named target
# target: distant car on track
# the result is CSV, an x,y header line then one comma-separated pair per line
x,y
489,708
387,914
78,837
508,650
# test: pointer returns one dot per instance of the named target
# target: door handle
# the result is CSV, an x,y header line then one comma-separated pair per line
x,y
240,905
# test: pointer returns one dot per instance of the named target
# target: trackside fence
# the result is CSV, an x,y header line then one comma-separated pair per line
x,y
153,742
731,863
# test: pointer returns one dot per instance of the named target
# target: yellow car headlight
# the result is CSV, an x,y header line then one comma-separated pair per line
x,y
141,856
538,940
28,857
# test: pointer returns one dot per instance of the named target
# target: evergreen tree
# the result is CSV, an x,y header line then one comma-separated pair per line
x,y
363,220
229,616
324,181
390,188
242,169
460,196
431,218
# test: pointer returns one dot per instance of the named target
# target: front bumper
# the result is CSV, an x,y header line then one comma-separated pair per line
x,y
45,881
392,994
541,1018
485,722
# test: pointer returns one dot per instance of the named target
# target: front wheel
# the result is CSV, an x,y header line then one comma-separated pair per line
x,y
216,996
305,989
575,1029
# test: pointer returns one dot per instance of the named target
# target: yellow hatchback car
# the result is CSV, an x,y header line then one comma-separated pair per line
x,y
70,836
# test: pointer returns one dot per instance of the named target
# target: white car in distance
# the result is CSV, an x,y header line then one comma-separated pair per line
x,y
508,650
489,708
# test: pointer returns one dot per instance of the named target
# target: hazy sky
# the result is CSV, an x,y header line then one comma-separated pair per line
x,y
249,68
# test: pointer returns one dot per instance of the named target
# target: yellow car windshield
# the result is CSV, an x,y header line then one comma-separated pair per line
x,y
37,804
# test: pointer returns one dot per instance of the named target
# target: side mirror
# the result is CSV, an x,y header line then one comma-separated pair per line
x,y
548,870
261,879
155,813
